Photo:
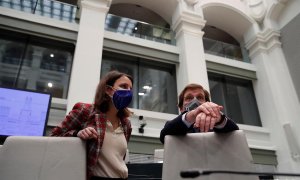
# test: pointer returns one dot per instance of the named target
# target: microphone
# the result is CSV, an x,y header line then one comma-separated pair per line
x,y
196,173
189,174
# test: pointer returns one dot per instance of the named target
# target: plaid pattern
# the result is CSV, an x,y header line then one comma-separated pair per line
x,y
82,116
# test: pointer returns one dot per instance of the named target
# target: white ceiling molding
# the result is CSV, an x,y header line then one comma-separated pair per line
x,y
257,10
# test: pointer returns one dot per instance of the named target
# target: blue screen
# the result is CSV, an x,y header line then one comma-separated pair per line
x,y
23,113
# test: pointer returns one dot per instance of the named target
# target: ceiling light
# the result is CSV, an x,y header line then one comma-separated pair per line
x,y
50,85
141,94
147,87
51,55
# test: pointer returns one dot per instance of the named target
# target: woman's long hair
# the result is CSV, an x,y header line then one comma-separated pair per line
x,y
102,100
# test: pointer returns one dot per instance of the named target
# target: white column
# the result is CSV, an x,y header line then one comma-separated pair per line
x,y
276,98
188,25
86,66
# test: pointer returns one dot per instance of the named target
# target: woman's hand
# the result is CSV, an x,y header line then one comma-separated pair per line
x,y
87,133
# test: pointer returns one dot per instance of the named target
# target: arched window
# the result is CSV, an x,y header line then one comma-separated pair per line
x,y
220,43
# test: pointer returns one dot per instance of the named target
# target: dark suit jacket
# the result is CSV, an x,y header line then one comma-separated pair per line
x,y
177,127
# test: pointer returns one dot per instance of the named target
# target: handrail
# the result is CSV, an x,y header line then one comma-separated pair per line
x,y
48,8
139,29
226,50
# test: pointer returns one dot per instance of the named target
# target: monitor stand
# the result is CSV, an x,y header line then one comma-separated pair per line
x,y
2,139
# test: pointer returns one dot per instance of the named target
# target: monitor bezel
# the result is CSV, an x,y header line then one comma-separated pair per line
x,y
3,137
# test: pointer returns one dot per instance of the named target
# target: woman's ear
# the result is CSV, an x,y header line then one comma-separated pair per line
x,y
109,91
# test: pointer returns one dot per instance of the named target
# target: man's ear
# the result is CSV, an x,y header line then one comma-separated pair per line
x,y
181,109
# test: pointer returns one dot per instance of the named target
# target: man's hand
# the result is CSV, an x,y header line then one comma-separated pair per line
x,y
87,133
209,109
205,122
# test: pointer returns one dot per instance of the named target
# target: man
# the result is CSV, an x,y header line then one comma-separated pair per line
x,y
197,114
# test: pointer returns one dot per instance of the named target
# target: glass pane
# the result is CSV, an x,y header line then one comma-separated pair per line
x,y
12,53
55,60
154,83
112,61
240,92
42,64
139,29
237,97
157,88
226,50
48,8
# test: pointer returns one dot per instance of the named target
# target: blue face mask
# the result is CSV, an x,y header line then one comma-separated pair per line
x,y
122,98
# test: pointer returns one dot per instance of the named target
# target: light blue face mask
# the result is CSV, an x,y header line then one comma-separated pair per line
x,y
122,98
193,104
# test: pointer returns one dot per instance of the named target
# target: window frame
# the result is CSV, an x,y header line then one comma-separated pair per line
x,y
235,69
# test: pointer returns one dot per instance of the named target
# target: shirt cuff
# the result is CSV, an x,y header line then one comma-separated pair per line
x,y
188,124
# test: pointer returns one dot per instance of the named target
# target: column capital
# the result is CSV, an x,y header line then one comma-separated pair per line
x,y
96,5
188,22
263,42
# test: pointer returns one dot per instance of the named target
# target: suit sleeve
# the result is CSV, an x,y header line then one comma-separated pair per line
x,y
228,127
177,127
174,127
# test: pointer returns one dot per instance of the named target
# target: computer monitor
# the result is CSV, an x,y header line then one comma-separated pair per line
x,y
23,112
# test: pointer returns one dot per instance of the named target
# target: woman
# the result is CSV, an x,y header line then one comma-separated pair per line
x,y
104,125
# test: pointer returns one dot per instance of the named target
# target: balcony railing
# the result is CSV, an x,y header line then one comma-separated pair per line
x,y
47,8
67,12
226,50
139,29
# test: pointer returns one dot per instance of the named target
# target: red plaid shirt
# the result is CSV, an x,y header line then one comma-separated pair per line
x,y
82,116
